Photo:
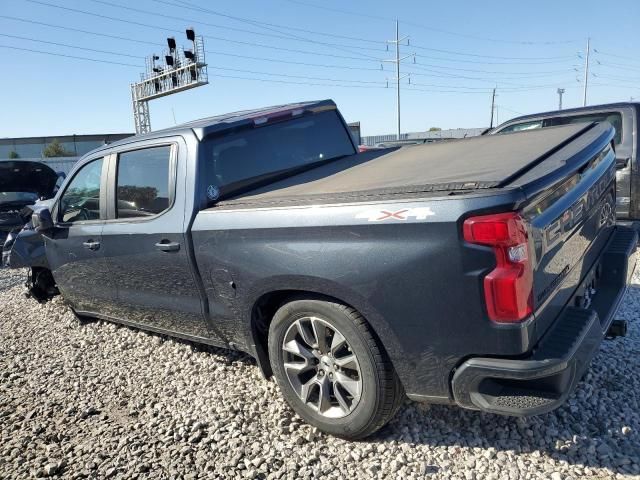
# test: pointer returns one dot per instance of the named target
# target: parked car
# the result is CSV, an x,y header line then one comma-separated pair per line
x,y
624,118
482,273
23,183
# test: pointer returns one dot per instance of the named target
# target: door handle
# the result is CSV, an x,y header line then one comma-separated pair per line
x,y
91,245
167,246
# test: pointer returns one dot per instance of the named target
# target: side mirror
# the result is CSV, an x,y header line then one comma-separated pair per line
x,y
42,220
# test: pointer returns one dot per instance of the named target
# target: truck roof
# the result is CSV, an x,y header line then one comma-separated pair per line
x,y
227,121
569,111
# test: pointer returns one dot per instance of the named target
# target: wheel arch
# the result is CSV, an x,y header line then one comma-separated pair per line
x,y
267,302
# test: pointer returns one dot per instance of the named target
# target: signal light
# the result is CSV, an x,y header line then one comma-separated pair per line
x,y
508,288
172,43
189,55
169,60
191,34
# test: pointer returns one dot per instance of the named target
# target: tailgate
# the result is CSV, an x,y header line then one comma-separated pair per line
x,y
570,222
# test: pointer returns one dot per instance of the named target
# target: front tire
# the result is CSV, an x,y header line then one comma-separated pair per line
x,y
331,369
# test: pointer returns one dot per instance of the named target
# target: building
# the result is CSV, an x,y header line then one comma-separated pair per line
x,y
32,148
373,140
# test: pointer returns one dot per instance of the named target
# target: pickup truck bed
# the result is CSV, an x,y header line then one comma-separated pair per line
x,y
455,166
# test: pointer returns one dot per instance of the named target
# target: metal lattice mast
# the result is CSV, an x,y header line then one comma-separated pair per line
x,y
181,71
140,113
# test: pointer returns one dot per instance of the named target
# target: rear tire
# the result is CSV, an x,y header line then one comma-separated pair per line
x,y
331,369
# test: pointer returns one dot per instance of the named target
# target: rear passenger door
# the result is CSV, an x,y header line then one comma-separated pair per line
x,y
144,243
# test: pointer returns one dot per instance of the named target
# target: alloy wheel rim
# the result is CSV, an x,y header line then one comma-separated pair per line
x,y
321,367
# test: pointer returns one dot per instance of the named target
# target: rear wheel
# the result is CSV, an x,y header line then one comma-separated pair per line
x,y
331,369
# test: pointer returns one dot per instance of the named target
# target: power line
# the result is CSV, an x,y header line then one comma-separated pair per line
x,y
281,36
544,62
191,6
286,75
313,32
69,56
212,52
516,86
632,59
340,85
129,39
70,46
71,29
534,60
435,29
619,66
452,52
239,42
250,43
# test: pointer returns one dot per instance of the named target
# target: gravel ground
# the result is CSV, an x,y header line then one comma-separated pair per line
x,y
104,401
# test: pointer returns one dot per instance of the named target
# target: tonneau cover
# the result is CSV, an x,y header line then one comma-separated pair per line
x,y
479,162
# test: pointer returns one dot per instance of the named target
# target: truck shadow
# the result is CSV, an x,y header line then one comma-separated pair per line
x,y
596,428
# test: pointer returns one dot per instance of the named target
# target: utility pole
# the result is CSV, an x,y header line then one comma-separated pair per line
x,y
560,92
493,106
586,73
398,60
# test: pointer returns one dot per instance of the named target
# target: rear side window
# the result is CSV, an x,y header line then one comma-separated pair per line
x,y
81,200
249,156
614,118
142,186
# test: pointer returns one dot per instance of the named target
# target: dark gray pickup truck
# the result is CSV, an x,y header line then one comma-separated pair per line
x,y
482,272
624,118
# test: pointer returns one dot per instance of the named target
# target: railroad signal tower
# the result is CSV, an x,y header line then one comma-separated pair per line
x,y
182,70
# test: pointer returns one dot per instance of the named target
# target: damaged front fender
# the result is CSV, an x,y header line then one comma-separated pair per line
x,y
24,249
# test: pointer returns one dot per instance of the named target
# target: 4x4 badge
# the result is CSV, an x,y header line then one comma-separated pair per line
x,y
420,213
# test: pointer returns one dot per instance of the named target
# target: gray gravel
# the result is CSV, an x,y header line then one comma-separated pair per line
x,y
104,401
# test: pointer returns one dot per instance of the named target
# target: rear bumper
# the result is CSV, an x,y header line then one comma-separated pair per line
x,y
542,381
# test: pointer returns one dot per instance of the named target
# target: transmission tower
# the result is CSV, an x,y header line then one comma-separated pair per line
x,y
397,61
182,70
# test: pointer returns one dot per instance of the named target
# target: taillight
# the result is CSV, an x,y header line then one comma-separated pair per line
x,y
508,289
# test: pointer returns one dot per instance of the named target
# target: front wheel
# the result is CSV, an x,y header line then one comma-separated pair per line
x,y
331,369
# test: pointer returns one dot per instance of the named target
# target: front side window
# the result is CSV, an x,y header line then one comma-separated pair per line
x,y
142,188
248,157
81,199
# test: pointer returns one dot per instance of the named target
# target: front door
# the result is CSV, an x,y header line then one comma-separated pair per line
x,y
145,245
74,247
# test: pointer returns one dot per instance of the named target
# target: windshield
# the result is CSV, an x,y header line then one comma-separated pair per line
x,y
248,157
23,197
520,127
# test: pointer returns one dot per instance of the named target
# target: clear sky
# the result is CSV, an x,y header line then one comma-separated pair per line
x,y
297,51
